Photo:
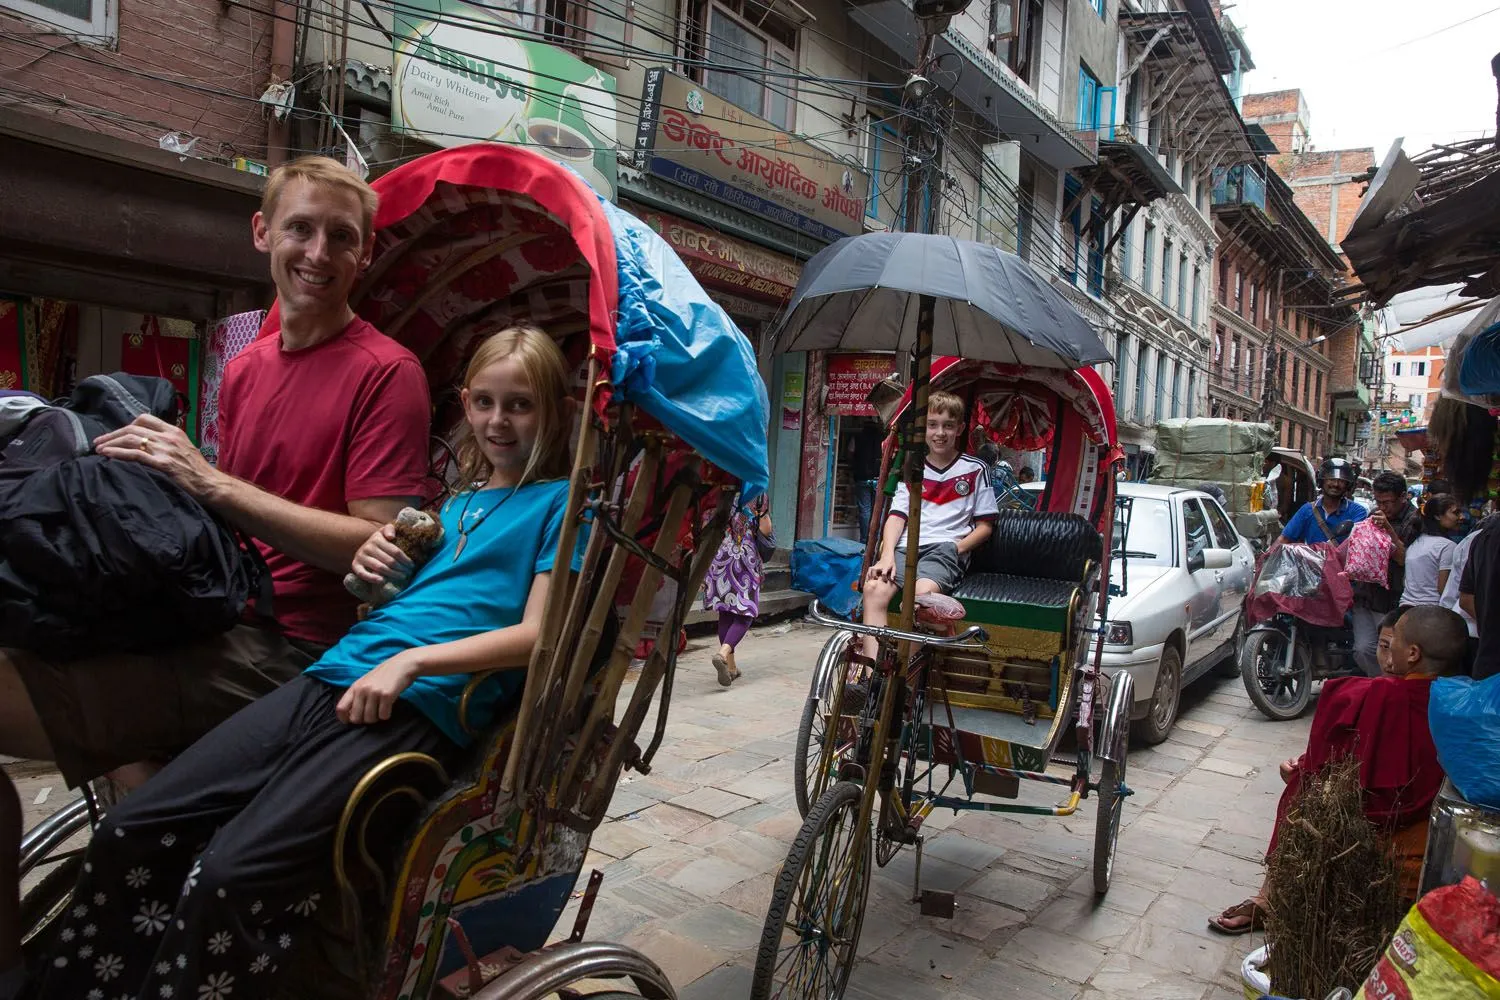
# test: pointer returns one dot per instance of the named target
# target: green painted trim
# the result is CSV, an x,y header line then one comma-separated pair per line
x,y
1038,617
21,347
194,356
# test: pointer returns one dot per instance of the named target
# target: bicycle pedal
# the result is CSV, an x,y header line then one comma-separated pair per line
x,y
938,903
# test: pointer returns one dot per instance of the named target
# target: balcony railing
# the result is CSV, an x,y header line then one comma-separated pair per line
x,y
1239,185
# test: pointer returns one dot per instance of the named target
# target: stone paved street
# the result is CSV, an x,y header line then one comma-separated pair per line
x,y
690,851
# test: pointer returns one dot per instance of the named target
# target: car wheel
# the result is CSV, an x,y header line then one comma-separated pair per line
x,y
1162,713
1230,665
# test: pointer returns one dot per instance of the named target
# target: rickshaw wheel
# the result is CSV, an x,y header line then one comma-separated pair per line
x,y
811,934
810,769
1111,807
44,904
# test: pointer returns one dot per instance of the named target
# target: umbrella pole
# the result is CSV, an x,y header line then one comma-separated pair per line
x,y
916,460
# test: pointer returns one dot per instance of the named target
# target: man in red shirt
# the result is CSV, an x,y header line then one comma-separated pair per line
x,y
324,438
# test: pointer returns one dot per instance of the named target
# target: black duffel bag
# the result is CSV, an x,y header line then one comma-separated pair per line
x,y
98,554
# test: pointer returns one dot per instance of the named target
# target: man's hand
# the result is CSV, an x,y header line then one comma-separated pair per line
x,y
373,696
1288,767
1379,519
164,447
380,559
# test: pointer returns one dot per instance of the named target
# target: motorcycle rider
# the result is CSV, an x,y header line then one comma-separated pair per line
x,y
1333,515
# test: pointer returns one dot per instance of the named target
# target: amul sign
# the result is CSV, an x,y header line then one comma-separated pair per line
x,y
697,139
461,77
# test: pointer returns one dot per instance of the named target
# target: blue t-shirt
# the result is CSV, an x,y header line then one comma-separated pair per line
x,y
1304,527
483,589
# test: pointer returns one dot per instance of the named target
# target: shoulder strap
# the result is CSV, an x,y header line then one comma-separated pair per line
x,y
1328,532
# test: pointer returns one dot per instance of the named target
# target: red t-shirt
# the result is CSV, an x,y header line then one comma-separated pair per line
x,y
341,421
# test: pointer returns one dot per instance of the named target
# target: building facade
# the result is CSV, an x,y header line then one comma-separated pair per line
x,y
1328,186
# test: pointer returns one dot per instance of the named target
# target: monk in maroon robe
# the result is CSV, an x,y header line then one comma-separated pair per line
x,y
1383,722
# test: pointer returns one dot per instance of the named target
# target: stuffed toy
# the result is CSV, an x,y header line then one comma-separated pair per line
x,y
418,534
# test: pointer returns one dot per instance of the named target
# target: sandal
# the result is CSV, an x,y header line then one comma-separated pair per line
x,y
721,665
1250,911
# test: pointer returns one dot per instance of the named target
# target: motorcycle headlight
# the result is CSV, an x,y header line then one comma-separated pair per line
x,y
1119,634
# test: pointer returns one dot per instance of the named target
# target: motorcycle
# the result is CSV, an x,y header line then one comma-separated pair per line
x,y
1281,658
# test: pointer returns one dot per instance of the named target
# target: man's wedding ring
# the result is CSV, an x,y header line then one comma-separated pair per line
x,y
146,445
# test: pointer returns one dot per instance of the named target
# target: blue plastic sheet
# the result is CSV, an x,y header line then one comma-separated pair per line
x,y
1464,716
827,568
680,357
1479,372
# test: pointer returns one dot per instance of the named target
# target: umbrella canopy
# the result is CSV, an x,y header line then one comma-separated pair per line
x,y
861,294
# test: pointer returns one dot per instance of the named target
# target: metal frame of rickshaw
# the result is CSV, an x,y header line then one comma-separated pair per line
x,y
881,740
540,781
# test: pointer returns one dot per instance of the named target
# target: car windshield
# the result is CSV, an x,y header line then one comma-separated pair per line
x,y
1150,540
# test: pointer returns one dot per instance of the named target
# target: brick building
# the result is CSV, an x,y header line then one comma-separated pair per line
x,y
1327,186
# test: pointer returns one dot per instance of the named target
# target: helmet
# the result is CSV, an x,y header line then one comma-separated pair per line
x,y
1337,468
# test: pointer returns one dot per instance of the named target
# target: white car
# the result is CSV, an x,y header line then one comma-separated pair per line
x,y
1178,581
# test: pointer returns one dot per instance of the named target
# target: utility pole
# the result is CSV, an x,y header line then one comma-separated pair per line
x,y
921,145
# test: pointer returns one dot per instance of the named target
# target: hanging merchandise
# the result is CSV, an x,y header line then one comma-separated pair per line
x,y
226,338
166,348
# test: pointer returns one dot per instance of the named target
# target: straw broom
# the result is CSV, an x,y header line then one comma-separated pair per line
x,y
1332,889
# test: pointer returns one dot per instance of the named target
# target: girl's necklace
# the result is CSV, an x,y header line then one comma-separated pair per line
x,y
463,532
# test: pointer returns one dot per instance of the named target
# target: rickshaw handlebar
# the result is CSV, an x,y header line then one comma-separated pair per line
x,y
972,634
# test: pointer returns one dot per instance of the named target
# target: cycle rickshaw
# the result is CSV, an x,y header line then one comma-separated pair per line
x,y
451,885
972,693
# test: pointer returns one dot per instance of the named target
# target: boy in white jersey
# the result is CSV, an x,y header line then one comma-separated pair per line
x,y
958,511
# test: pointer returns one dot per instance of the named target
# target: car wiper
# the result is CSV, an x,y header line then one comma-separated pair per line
x,y
1133,554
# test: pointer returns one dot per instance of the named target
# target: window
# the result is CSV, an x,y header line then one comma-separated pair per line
x,y
887,201
1088,100
1177,390
1306,388
1015,32
1419,368
1254,301
1182,285
746,56
1125,260
1227,537
1218,346
1166,271
1196,526
1252,369
1100,6
1197,293
1192,399
1239,292
1318,394
94,21
1223,281
1122,355
1159,390
1416,401
1396,368
1140,383
1133,104
1148,258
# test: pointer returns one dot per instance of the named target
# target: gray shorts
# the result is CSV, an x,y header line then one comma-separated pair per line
x,y
939,562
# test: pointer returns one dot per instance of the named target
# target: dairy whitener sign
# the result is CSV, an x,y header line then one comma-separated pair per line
x,y
461,76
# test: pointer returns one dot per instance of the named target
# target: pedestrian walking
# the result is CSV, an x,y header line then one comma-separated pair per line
x,y
1429,559
734,578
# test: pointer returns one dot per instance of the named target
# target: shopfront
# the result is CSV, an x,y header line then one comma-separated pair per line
x,y
850,428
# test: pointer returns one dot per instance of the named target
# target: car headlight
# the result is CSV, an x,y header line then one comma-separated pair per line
x,y
1119,634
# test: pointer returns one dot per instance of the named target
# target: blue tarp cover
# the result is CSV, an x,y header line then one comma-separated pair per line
x,y
680,357
827,568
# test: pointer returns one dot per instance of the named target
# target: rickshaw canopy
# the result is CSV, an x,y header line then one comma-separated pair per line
x,y
473,239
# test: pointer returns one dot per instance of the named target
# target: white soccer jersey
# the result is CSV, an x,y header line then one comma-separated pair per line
x,y
953,499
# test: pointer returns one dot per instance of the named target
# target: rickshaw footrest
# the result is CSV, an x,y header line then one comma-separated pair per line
x,y
938,903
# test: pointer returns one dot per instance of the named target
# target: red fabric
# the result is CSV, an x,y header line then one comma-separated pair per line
x,y
1326,607
557,190
344,420
1382,721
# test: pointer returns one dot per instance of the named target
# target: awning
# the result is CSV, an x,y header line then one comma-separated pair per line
x,y
1426,317
1127,174
92,218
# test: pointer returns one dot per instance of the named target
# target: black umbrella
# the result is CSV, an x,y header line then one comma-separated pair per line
x,y
862,294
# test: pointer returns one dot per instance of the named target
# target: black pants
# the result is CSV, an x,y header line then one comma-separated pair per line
x,y
198,885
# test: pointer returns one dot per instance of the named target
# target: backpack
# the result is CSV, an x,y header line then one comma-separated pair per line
x,y
67,428
102,555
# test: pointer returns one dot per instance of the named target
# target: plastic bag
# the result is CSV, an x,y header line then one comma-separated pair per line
x,y
1447,948
1464,716
1367,554
1306,581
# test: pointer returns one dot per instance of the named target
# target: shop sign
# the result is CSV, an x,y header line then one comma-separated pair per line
x,y
726,262
461,77
850,379
692,137
791,401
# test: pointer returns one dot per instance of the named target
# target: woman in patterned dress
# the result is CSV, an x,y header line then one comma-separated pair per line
x,y
734,578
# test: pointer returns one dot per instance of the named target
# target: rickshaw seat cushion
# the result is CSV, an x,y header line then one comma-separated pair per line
x,y
1002,588
1045,545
